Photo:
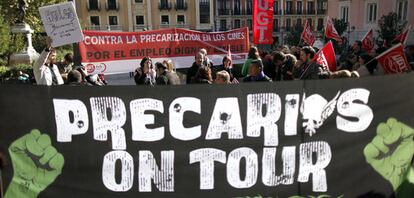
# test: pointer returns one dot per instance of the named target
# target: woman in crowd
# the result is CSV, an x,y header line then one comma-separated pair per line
x,y
145,74
203,76
253,55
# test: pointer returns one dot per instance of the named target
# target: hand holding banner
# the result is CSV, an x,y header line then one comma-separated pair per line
x,y
61,23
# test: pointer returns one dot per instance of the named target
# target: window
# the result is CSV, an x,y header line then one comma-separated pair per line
x,y
402,9
249,24
288,24
289,7
112,5
320,24
139,20
204,11
180,19
345,13
165,19
237,23
237,7
223,25
298,22
138,1
275,7
249,6
311,7
372,12
93,5
275,25
310,23
95,20
299,7
113,20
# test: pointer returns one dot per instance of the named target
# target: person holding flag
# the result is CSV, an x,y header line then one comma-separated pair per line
x,y
307,35
330,31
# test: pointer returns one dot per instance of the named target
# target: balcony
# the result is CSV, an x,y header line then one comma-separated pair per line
x,y
309,12
93,7
164,6
289,12
237,12
116,28
224,11
277,12
112,6
140,27
181,6
321,12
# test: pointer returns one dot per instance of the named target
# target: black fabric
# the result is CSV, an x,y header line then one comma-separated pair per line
x,y
347,173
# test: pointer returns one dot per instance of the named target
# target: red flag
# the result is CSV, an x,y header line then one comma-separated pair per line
x,y
263,22
368,41
393,60
307,35
326,57
402,38
330,31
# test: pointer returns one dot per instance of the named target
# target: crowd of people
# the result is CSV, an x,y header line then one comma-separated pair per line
x,y
284,64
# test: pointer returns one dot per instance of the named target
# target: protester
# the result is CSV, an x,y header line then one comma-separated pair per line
x,y
206,61
173,78
66,65
284,64
161,71
145,74
409,52
256,73
192,71
45,70
252,55
368,65
222,78
74,78
203,76
227,65
309,68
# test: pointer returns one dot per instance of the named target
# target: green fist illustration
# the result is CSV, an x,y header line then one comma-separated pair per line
x,y
36,164
391,151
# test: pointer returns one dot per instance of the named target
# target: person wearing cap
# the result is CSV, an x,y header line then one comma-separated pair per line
x,y
45,70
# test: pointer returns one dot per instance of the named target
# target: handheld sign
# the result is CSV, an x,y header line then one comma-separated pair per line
x,y
61,23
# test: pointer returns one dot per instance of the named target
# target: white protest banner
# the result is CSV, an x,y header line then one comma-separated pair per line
x,y
61,23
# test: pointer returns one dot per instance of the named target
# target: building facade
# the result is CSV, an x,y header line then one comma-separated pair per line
x,y
203,15
363,15
288,14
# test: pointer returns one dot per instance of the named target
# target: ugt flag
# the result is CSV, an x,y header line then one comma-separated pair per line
x,y
330,31
263,22
307,35
326,57
368,41
393,60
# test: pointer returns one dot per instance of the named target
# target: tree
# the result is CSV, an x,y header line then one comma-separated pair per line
x,y
8,16
340,25
389,26
293,37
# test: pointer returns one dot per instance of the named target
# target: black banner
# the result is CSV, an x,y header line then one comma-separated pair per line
x,y
330,138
